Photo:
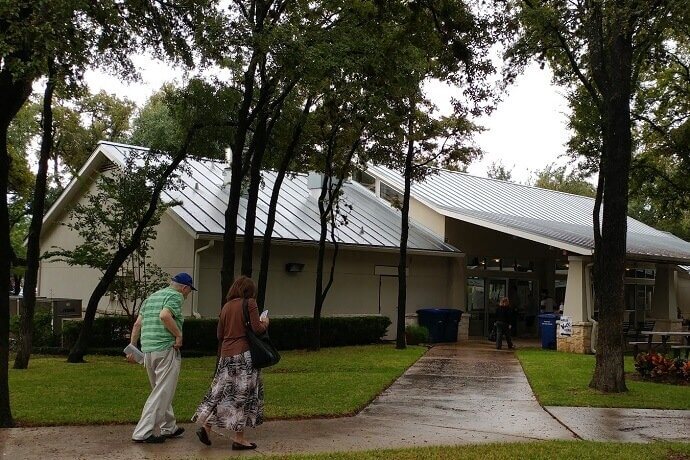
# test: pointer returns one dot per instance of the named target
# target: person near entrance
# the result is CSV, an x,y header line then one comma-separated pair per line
x,y
504,320
547,303
160,325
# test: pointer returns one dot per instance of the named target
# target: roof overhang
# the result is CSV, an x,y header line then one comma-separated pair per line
x,y
580,250
509,230
343,246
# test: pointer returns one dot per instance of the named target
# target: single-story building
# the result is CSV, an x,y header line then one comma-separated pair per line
x,y
517,240
190,239
472,241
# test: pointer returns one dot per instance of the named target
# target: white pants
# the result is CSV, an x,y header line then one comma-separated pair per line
x,y
163,368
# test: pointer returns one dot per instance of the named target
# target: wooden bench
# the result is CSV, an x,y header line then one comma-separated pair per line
x,y
634,333
636,345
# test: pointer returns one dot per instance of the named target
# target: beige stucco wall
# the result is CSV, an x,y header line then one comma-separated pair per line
x,y
173,251
354,291
58,279
428,218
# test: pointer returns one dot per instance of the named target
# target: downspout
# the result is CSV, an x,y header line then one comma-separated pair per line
x,y
590,308
197,268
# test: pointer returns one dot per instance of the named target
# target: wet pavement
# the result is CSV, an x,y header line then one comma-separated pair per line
x,y
455,394
625,425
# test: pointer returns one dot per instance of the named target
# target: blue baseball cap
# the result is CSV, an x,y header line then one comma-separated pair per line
x,y
184,278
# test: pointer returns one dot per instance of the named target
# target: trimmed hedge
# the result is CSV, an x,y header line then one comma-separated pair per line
x,y
112,332
43,330
416,334
336,331
107,332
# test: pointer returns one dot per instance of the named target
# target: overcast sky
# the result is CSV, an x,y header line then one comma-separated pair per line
x,y
526,132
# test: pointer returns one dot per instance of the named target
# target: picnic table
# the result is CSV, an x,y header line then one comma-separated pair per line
x,y
665,337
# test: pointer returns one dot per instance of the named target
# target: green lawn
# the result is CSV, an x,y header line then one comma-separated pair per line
x,y
561,450
562,379
334,381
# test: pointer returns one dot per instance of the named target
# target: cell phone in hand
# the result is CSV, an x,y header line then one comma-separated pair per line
x,y
264,314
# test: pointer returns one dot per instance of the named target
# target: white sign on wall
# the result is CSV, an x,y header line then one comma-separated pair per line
x,y
566,326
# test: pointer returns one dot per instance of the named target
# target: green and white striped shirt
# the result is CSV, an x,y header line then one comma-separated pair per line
x,y
154,335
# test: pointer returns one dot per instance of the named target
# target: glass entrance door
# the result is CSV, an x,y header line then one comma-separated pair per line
x,y
484,295
476,305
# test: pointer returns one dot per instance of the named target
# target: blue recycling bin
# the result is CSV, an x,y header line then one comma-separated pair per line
x,y
442,323
547,329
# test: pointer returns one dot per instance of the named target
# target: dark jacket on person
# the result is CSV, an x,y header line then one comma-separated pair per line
x,y
505,315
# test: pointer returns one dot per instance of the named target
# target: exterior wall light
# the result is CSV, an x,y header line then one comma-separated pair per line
x,y
294,267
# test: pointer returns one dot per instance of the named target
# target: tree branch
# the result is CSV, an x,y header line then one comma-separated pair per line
x,y
571,58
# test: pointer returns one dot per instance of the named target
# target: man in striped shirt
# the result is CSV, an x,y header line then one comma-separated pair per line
x,y
160,325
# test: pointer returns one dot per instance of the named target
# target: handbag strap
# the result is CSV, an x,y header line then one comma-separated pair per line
x,y
245,311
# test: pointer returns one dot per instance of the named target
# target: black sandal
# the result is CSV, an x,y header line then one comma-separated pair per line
x,y
203,436
238,446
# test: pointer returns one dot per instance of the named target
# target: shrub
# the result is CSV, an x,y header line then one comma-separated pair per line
x,y
336,331
107,332
200,334
43,329
655,366
415,334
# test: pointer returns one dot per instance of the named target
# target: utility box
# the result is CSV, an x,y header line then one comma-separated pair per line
x,y
14,305
17,305
64,308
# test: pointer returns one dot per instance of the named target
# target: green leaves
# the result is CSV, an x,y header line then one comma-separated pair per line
x,y
105,219
554,177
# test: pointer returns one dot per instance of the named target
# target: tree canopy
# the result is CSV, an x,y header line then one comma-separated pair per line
x,y
558,178
602,52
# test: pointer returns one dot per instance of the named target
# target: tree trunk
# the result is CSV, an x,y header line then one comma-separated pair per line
x,y
318,291
259,149
13,94
270,224
268,236
227,271
33,251
76,354
617,153
5,244
400,342
330,194
273,204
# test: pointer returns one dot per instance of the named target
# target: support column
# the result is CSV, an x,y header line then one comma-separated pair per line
x,y
577,296
665,299
457,294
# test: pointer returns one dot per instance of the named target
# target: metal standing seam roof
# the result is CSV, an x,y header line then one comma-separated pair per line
x,y
561,219
204,200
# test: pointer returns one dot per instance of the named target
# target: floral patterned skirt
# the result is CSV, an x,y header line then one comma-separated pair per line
x,y
236,397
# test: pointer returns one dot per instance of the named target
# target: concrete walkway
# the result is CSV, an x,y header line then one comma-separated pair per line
x,y
453,395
